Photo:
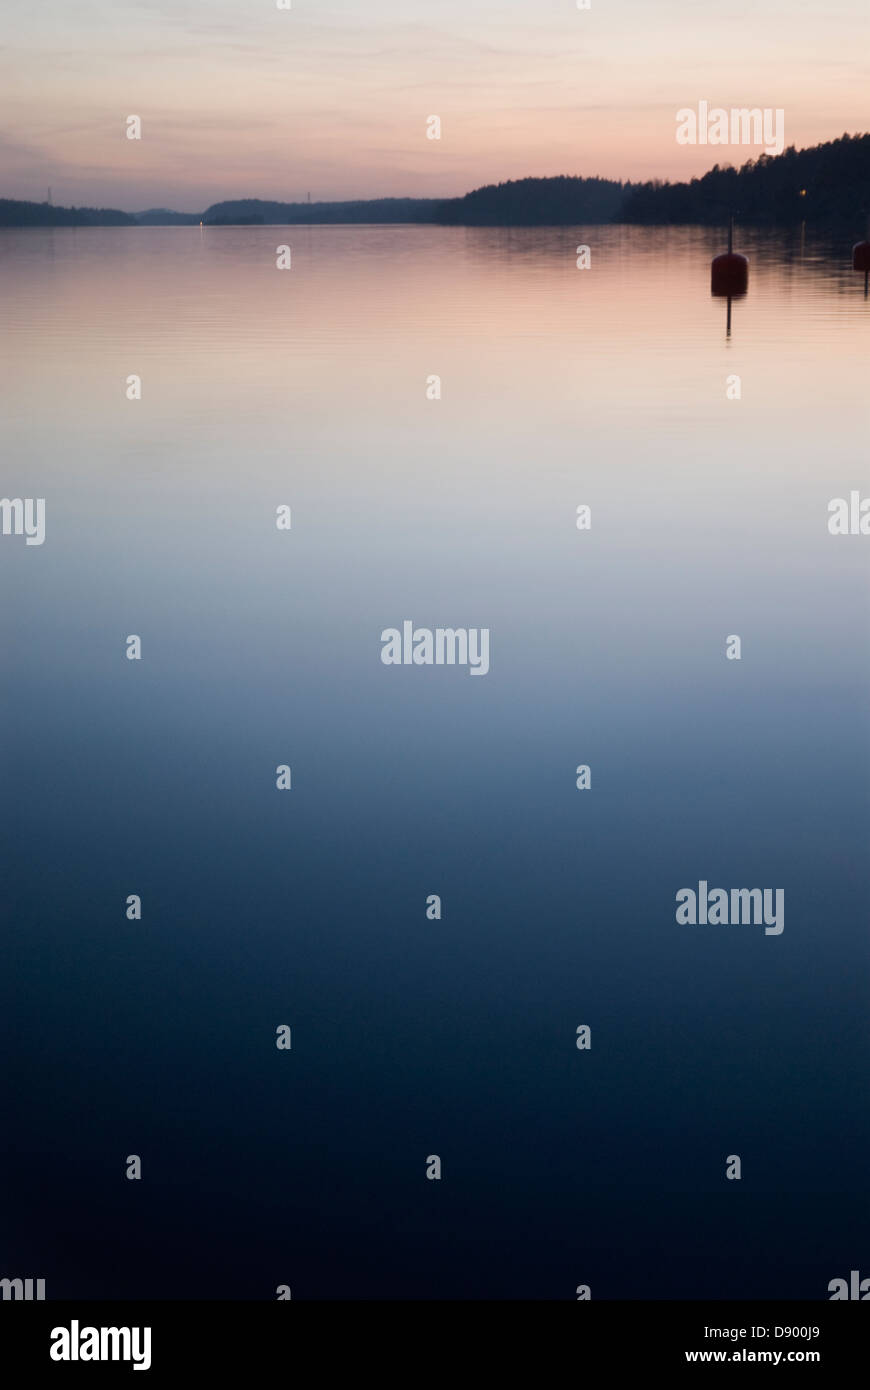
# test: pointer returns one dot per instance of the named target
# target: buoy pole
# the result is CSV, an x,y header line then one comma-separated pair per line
x,y
861,259
729,272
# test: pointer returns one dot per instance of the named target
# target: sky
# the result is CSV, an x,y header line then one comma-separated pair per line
x,y
332,97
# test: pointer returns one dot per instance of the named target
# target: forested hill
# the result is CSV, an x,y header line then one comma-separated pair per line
x,y
17,214
826,184
559,201
255,210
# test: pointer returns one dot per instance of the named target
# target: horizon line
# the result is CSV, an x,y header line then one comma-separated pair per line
x,y
427,198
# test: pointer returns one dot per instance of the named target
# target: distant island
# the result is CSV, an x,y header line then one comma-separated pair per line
x,y
14,213
827,184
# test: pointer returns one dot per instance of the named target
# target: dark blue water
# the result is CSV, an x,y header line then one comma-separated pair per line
x,y
413,1037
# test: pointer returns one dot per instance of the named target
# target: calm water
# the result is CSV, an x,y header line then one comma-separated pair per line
x,y
261,647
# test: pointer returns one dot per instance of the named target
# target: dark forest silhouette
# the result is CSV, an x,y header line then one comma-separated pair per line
x,y
14,213
828,184
536,202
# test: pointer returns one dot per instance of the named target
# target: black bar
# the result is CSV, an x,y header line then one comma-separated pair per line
x,y
412,1340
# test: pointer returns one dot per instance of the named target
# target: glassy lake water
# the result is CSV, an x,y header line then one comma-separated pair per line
x,y
308,908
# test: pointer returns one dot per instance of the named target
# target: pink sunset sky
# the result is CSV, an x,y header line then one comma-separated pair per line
x,y
331,97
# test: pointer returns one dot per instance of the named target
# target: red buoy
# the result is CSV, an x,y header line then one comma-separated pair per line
x,y
730,271
730,275
861,256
